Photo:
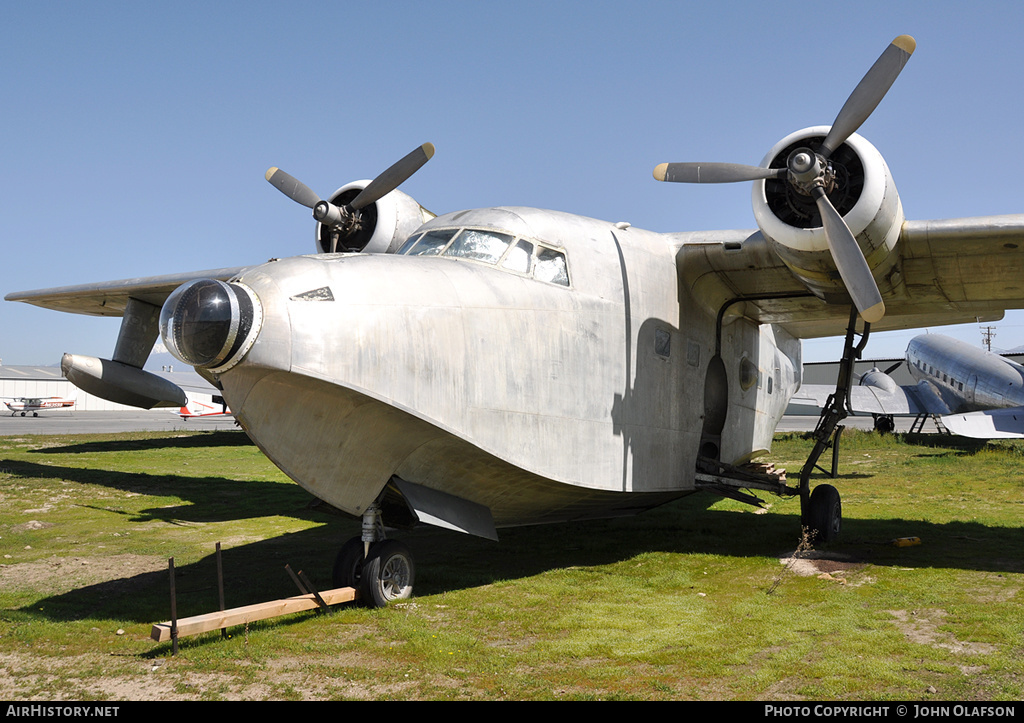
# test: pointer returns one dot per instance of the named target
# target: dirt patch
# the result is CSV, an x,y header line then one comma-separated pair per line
x,y
816,563
922,626
58,575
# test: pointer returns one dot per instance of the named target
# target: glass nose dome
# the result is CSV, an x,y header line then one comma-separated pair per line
x,y
206,322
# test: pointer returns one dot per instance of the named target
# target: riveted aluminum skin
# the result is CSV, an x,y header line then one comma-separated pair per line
x,y
537,400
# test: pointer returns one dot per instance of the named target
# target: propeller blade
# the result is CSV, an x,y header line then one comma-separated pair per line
x,y
393,177
869,92
292,187
849,260
894,367
714,172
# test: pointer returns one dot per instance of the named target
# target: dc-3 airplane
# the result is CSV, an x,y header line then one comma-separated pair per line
x,y
511,366
972,392
24,405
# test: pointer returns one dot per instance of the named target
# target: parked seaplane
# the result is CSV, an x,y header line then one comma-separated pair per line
x,y
24,405
510,366
971,392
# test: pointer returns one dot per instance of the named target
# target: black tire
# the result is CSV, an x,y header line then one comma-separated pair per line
x,y
825,517
348,565
387,575
884,424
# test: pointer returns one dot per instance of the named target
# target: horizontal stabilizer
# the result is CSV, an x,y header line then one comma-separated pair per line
x,y
989,424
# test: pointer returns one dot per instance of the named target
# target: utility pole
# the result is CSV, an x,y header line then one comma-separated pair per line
x,y
987,334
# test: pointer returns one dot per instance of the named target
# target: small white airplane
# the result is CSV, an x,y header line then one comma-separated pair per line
x,y
510,366
972,392
24,405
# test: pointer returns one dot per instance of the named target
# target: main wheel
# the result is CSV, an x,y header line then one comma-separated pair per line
x,y
884,424
387,575
348,565
825,517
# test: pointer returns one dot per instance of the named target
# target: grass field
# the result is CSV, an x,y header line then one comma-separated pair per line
x,y
700,599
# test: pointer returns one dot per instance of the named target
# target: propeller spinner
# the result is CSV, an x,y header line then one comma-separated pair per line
x,y
810,173
346,219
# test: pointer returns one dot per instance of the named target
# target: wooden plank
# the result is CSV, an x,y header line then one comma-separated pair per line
x,y
161,632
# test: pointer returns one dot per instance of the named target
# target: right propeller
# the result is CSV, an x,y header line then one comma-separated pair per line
x,y
346,219
810,173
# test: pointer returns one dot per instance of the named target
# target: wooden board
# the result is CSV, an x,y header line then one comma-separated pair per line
x,y
239,616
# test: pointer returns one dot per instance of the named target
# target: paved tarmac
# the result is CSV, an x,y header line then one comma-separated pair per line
x,y
807,424
77,422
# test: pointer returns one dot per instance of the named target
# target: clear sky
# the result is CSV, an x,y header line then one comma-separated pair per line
x,y
135,135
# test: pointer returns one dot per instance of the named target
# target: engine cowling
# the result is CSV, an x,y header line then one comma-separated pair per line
x,y
864,194
384,224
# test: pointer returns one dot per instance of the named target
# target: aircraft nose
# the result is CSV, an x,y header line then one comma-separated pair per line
x,y
209,323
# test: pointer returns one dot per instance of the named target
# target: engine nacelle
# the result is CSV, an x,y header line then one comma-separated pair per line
x,y
878,379
385,224
864,194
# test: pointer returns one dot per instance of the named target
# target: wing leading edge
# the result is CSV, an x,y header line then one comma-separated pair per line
x,y
110,298
950,271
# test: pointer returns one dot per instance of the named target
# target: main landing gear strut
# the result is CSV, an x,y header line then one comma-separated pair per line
x,y
821,512
381,570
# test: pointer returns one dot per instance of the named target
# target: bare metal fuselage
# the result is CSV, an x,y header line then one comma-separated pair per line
x,y
539,401
965,377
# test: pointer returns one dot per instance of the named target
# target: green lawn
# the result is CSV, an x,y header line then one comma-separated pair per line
x,y
699,599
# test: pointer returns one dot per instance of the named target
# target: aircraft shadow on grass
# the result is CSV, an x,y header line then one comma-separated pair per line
x,y
254,572
220,438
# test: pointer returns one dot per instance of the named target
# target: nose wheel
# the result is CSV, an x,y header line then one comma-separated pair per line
x,y
382,577
381,570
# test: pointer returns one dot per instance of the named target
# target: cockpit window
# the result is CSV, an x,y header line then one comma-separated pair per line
x,y
429,244
551,267
517,255
485,246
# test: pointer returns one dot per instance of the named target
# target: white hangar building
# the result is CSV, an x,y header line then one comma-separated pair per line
x,y
31,381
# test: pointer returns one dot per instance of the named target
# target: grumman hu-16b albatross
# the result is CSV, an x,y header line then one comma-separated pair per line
x,y
970,391
511,366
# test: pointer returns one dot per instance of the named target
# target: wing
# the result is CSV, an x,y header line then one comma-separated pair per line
x,y
951,271
990,424
907,401
111,297
122,379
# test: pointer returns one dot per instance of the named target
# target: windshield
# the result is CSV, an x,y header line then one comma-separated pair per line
x,y
518,255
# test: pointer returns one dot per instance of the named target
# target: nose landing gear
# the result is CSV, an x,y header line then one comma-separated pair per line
x,y
381,570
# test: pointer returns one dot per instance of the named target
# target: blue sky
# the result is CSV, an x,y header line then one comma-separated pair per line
x,y
136,134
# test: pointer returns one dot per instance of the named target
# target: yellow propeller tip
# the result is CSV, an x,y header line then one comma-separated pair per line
x,y
905,43
660,170
270,172
874,313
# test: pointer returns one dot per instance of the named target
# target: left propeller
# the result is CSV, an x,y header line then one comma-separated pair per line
x,y
810,173
347,219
